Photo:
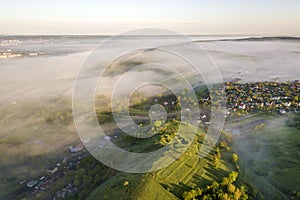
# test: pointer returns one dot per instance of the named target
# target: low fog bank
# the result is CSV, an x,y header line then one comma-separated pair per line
x,y
36,92
36,110
44,78
40,77
53,75
256,60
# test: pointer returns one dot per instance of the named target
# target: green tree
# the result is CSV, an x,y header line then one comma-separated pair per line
x,y
231,188
225,181
233,176
237,194
234,158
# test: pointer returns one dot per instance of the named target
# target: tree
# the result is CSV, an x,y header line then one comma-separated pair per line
x,y
87,180
215,185
224,197
223,145
126,183
233,176
234,158
216,162
231,188
189,195
237,194
199,192
225,181
218,154
157,125
77,182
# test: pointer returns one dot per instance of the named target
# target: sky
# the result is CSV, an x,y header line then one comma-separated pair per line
x,y
194,17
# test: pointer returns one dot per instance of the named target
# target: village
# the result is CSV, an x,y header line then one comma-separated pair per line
x,y
263,96
11,54
75,154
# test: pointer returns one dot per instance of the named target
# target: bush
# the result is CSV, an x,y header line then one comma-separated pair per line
x,y
234,158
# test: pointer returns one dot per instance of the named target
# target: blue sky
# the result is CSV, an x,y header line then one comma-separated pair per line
x,y
264,17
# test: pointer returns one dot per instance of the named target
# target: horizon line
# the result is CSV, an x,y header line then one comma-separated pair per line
x,y
97,35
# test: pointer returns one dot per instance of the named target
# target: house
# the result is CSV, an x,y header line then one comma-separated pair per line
x,y
260,104
76,149
46,185
227,112
33,54
65,160
85,140
37,187
107,138
52,171
242,106
31,183
71,166
237,80
282,111
296,81
203,116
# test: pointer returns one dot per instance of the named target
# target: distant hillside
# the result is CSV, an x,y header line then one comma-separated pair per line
x,y
271,38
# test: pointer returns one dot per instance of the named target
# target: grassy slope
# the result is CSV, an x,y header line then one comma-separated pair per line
x,y
168,183
270,156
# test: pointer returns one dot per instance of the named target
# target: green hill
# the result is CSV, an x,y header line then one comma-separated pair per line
x,y
189,171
